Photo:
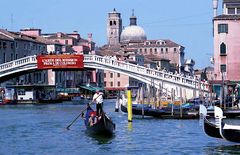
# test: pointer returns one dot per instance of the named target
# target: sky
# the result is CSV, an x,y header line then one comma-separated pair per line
x,y
186,22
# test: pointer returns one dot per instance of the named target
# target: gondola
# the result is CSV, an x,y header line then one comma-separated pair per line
x,y
210,128
104,125
136,109
229,113
161,113
228,132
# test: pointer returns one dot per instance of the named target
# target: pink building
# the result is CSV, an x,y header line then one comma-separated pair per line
x,y
226,45
73,42
226,41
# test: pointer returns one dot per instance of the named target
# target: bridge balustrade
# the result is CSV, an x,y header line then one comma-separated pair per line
x,y
108,63
164,75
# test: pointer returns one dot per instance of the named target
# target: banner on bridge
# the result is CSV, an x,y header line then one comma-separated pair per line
x,y
60,62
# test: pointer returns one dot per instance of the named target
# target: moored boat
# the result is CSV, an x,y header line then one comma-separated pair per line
x,y
227,131
103,126
210,128
229,113
167,113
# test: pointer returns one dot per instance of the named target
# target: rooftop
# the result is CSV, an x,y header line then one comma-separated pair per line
x,y
231,1
17,35
227,17
3,37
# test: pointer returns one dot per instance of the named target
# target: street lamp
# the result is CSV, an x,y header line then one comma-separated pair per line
x,y
223,89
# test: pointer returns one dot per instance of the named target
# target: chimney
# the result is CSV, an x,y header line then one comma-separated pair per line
x,y
75,32
89,37
59,34
215,7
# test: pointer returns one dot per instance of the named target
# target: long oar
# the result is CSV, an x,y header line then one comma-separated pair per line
x,y
68,127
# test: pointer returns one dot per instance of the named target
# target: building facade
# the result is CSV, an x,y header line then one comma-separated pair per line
x,y
131,45
15,45
226,42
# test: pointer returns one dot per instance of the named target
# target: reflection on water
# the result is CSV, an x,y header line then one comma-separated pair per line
x,y
129,126
101,139
223,149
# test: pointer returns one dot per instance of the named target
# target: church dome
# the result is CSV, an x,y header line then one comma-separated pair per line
x,y
133,33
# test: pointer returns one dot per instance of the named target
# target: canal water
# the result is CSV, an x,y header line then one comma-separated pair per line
x,y
41,129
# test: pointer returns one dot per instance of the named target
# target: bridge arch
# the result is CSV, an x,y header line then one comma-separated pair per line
x,y
168,80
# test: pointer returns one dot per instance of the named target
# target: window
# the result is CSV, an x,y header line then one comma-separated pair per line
x,y
104,75
44,77
231,11
140,50
12,45
4,57
222,28
0,44
16,56
145,50
238,11
111,84
175,50
161,50
166,50
21,92
111,75
105,83
222,49
118,74
11,56
155,50
114,22
118,83
110,23
223,68
150,51
66,42
4,45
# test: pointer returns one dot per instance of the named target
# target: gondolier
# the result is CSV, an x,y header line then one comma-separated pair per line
x,y
98,98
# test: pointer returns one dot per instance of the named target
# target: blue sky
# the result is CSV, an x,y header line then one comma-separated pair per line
x,y
186,22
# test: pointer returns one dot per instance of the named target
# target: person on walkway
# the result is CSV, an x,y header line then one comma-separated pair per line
x,y
98,98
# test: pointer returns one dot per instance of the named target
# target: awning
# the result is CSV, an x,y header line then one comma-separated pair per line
x,y
91,88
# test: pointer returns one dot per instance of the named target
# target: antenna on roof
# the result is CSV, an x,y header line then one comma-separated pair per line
x,y
11,21
132,12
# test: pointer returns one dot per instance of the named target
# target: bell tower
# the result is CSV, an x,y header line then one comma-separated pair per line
x,y
114,27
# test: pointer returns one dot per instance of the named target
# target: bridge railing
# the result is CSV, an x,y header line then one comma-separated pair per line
x,y
188,81
18,63
178,79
